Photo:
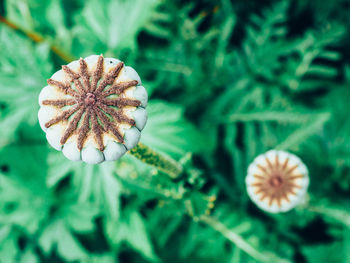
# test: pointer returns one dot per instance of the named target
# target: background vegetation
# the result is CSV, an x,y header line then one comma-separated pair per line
x,y
227,80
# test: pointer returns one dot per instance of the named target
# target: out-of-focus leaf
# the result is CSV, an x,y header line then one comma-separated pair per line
x,y
132,231
8,242
24,68
169,132
67,220
109,26
47,17
58,236
104,258
29,257
325,253
99,185
94,183
25,200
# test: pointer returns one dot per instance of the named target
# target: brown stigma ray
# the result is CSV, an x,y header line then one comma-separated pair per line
x,y
110,77
119,88
109,126
276,181
90,111
59,103
117,115
97,74
66,88
121,102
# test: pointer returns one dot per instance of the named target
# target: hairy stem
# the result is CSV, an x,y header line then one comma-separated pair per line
x,y
151,157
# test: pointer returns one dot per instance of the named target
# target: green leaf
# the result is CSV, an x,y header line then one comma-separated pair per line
x,y
58,236
23,70
99,185
93,183
98,258
325,253
109,26
9,250
25,199
49,18
80,217
300,135
132,231
29,256
169,132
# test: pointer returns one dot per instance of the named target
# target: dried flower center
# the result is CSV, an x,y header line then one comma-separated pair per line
x,y
90,99
92,108
276,181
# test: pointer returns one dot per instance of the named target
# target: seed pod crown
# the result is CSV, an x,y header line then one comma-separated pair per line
x,y
277,181
93,109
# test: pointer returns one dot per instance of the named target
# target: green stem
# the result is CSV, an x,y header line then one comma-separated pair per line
x,y
239,241
332,212
36,37
151,157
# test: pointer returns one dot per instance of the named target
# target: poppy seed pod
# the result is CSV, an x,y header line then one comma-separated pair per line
x,y
277,181
93,109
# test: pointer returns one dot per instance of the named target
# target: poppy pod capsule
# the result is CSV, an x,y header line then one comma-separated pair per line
x,y
277,181
93,109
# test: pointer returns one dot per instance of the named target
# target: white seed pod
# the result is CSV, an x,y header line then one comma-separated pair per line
x,y
277,181
93,109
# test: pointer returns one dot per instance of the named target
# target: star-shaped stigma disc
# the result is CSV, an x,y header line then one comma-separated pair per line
x,y
276,181
93,102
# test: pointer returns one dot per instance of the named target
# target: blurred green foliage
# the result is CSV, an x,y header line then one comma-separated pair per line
x,y
227,80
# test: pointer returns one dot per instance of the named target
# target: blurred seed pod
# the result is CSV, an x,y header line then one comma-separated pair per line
x,y
93,109
277,181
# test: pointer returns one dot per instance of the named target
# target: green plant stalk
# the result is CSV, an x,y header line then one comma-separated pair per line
x,y
151,157
38,39
239,241
332,212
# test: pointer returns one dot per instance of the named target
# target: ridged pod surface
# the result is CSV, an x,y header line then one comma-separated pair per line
x,y
93,109
277,181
